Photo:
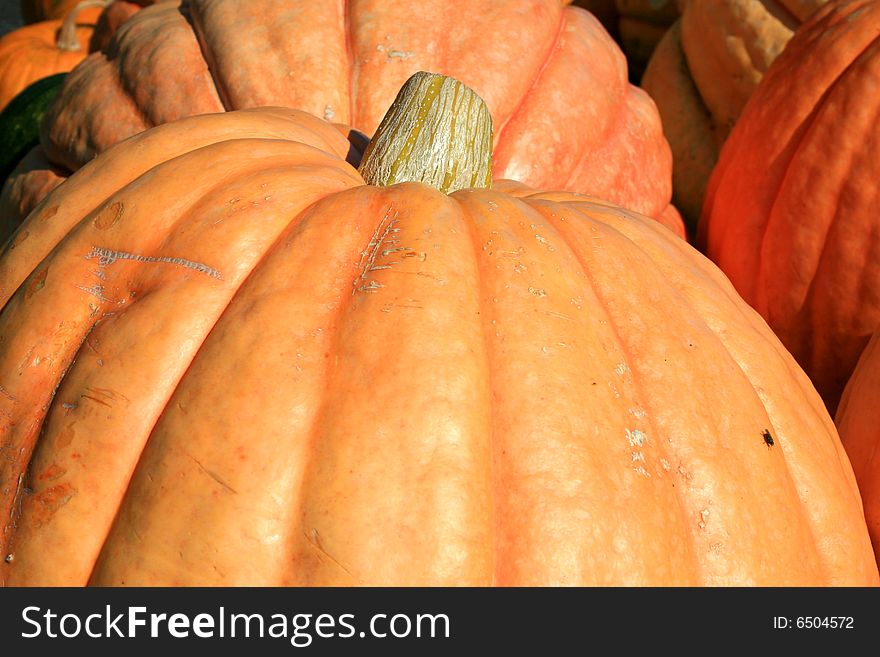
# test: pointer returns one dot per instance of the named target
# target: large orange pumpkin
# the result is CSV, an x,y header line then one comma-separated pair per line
x,y
227,360
36,51
554,80
858,421
791,208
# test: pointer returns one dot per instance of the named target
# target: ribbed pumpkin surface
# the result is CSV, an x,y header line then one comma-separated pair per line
x,y
703,72
554,81
226,360
791,208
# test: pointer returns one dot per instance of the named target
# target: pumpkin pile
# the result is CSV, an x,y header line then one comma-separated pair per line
x,y
701,74
271,344
566,116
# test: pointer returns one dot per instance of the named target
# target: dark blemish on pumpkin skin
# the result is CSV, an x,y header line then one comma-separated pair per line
x,y
50,500
768,439
37,283
109,216
19,238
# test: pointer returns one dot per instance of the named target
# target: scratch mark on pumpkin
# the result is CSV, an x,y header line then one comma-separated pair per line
x,y
212,475
107,257
105,394
14,512
95,290
8,395
50,500
315,541
401,54
385,234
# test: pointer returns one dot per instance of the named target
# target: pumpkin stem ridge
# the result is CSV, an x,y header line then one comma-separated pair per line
x,y
67,40
437,131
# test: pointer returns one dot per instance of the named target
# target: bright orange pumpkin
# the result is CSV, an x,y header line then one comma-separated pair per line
x,y
228,360
36,51
791,208
858,421
554,80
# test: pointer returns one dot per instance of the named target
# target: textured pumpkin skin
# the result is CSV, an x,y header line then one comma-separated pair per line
x,y
858,421
702,73
111,18
560,123
30,53
361,385
790,213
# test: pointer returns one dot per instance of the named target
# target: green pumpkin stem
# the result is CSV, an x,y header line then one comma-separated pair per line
x,y
438,131
67,39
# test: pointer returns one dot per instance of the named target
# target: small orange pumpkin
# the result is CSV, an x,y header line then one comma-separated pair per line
x,y
226,360
39,50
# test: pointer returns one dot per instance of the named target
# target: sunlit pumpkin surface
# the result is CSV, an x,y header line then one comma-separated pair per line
x,y
554,80
791,208
226,360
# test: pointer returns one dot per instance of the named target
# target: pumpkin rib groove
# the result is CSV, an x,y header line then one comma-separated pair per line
x,y
14,512
521,101
491,376
163,406
655,256
337,475
186,10
751,224
46,219
805,391
202,203
113,56
645,404
801,306
668,453
288,233
816,121
323,405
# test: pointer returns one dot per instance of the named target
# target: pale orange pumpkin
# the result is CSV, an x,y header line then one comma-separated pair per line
x,y
554,80
228,360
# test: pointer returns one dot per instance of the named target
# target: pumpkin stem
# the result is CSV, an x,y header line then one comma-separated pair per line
x,y
437,131
67,34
